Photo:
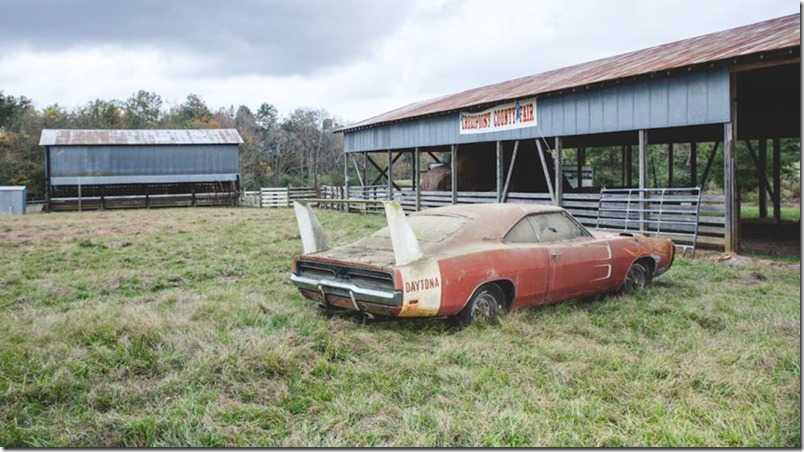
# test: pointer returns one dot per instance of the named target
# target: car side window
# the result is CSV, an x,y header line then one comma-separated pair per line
x,y
522,232
556,227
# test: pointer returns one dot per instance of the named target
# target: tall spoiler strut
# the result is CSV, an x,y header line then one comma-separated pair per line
x,y
403,239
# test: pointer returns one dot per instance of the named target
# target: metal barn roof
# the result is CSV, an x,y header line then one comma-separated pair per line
x,y
85,137
771,35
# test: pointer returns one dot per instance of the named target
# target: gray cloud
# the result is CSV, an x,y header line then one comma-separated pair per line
x,y
275,37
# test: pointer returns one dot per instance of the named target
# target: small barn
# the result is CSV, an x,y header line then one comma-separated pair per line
x,y
528,139
106,169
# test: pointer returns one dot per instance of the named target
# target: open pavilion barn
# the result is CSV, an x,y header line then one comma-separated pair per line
x,y
510,141
104,169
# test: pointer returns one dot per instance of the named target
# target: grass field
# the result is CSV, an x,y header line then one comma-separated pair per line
x,y
787,213
178,327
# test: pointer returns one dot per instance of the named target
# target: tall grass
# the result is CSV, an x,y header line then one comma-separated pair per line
x,y
179,328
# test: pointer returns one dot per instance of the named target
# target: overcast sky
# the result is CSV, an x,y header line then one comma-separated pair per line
x,y
355,58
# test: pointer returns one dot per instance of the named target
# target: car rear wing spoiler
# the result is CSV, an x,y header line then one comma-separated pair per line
x,y
403,239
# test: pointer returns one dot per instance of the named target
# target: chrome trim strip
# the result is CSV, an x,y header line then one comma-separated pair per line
x,y
393,298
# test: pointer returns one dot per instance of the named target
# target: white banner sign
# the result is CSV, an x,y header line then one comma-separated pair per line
x,y
514,115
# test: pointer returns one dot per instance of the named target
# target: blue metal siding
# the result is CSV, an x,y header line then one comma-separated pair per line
x,y
99,161
690,99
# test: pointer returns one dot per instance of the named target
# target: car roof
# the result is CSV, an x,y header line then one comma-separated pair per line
x,y
490,209
488,220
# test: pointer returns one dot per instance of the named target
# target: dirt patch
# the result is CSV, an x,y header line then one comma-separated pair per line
x,y
92,227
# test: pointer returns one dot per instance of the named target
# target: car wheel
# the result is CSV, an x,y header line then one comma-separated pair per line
x,y
638,278
484,306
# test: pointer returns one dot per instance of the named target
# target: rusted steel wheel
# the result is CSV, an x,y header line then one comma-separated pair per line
x,y
484,306
638,278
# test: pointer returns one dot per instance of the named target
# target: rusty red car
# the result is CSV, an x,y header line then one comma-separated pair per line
x,y
471,262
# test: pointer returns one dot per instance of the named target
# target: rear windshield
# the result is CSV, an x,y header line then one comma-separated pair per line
x,y
429,228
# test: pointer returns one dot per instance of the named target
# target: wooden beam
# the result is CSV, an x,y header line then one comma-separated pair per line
x,y
381,170
643,174
547,178
433,157
454,172
390,189
622,165
777,181
510,171
416,178
629,166
670,156
559,172
384,171
732,239
709,164
763,176
693,164
580,154
346,181
365,167
499,170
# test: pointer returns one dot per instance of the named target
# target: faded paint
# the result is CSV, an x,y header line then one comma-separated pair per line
x,y
452,269
422,289
670,101
406,246
312,234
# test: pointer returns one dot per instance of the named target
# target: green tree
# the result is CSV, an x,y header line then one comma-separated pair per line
x,y
143,110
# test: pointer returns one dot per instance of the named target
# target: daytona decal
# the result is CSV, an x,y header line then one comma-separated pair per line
x,y
422,289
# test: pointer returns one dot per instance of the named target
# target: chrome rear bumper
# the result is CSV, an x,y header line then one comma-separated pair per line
x,y
344,289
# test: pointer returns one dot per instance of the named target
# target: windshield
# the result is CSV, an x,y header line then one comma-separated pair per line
x,y
429,228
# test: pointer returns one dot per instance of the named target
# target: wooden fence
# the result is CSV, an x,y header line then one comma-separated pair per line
x,y
583,206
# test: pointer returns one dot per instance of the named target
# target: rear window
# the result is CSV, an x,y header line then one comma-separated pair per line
x,y
429,228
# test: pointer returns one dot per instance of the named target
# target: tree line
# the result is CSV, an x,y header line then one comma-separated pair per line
x,y
294,149
300,149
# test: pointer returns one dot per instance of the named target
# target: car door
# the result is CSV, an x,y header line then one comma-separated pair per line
x,y
531,262
580,265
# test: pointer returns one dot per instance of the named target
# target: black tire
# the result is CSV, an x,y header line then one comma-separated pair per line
x,y
485,306
638,278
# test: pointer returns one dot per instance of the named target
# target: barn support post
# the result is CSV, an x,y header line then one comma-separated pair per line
x,y
390,168
693,164
762,174
559,172
547,178
732,239
499,170
629,171
670,165
777,182
622,165
79,195
643,175
416,178
346,181
365,167
510,171
580,154
454,172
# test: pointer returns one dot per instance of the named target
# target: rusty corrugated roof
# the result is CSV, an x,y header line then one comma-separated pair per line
x,y
85,137
775,34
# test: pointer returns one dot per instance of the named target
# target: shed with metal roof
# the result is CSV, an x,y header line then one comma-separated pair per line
x,y
683,93
91,169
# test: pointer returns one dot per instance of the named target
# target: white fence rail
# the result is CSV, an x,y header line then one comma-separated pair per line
x,y
583,206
